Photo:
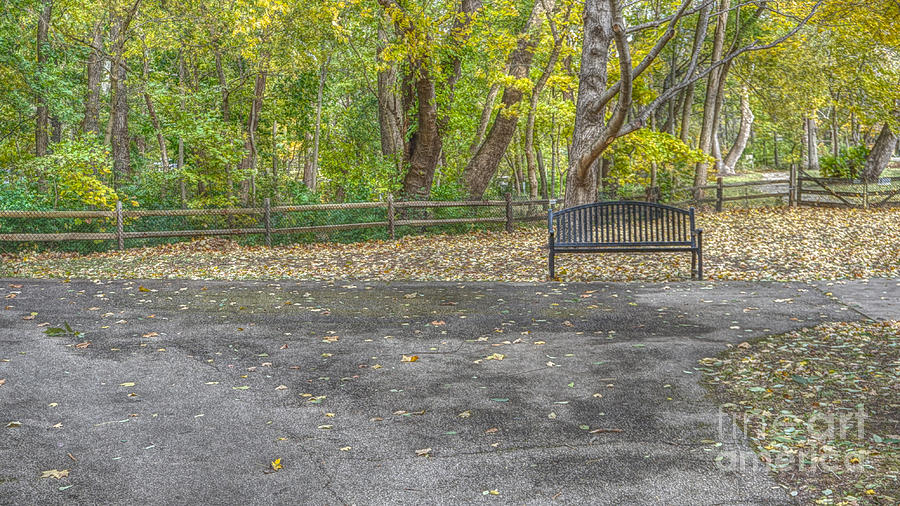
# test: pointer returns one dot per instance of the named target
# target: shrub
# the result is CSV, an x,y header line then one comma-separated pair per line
x,y
848,164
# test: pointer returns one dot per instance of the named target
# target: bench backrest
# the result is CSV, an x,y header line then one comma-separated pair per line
x,y
622,224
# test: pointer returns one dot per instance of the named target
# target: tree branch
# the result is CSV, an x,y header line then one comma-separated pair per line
x,y
642,116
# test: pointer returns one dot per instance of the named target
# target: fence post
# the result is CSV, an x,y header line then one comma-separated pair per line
x,y
865,192
798,199
509,213
267,204
120,226
720,194
792,186
390,215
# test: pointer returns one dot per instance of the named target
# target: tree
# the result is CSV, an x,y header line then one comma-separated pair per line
x,y
594,132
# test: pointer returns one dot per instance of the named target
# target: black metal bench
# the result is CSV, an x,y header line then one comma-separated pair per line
x,y
625,227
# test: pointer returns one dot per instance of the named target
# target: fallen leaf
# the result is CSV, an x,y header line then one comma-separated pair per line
x,y
55,473
465,414
276,465
409,358
424,452
150,334
127,384
83,345
281,387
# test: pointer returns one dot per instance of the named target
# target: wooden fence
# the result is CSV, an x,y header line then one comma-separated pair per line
x,y
839,192
825,192
394,217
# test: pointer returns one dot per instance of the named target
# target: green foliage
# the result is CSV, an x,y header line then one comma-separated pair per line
x,y
633,156
75,175
848,164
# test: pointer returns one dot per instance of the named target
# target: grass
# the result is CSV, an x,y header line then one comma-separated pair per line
x,y
821,408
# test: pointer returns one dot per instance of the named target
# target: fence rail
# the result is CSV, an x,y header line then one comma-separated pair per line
x,y
268,221
394,212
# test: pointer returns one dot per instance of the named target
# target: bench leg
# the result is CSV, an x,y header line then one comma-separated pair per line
x,y
693,264
700,264
700,256
552,266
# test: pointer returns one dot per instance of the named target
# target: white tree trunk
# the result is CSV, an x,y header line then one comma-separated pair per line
x,y
740,143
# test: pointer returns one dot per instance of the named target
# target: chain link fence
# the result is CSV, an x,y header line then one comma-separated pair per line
x,y
86,231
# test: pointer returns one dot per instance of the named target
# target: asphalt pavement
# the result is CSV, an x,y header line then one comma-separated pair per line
x,y
175,391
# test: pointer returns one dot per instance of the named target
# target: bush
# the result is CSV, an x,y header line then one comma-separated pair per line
x,y
847,165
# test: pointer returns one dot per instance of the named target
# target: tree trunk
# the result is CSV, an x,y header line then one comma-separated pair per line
x,y
589,121
485,120
740,143
425,144
813,139
118,117
249,161
687,109
42,129
688,104
775,160
835,144
91,122
422,152
151,111
542,170
311,171
391,119
804,145
707,128
532,112
881,153
482,167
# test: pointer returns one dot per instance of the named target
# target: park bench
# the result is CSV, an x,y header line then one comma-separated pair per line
x,y
625,227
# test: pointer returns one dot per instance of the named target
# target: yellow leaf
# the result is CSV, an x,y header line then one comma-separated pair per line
x,y
276,465
55,473
127,384
409,358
